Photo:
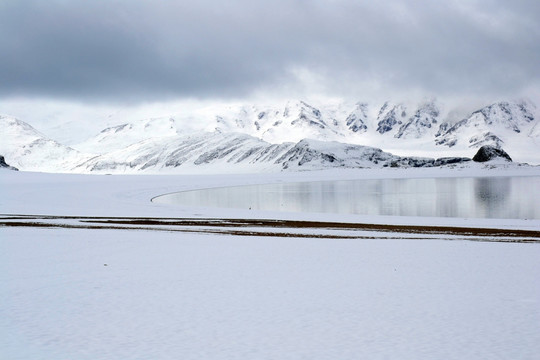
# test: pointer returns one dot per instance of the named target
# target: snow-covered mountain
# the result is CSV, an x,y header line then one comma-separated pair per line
x,y
356,121
27,149
422,123
295,135
495,124
199,152
185,153
424,129
118,137
293,121
390,117
223,152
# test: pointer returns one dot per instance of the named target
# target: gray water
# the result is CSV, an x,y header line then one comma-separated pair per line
x,y
484,197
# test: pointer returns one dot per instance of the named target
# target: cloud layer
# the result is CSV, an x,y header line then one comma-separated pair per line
x,y
130,50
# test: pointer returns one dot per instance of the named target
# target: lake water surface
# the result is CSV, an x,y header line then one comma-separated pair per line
x,y
481,197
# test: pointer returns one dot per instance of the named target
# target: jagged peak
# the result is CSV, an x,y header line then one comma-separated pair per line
x,y
356,120
301,105
389,116
511,115
425,117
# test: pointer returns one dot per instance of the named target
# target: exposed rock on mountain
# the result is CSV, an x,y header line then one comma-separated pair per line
x,y
428,162
489,125
487,153
356,121
425,118
318,154
389,117
4,165
239,152
291,122
211,151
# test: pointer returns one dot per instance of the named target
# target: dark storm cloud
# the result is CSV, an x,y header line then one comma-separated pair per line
x,y
142,50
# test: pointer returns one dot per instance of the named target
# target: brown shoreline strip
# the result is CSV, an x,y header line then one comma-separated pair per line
x,y
415,229
219,226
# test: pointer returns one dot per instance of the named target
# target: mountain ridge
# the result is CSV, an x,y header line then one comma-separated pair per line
x,y
331,137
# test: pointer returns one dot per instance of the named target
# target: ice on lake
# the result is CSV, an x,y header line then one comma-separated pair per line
x,y
471,197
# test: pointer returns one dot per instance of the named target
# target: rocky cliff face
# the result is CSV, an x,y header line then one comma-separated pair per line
x,y
390,117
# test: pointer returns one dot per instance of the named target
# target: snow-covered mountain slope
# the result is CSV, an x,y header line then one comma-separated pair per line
x,y
343,122
291,122
357,120
512,126
390,117
488,125
405,129
120,136
254,138
216,151
27,149
422,123
314,154
226,152
199,152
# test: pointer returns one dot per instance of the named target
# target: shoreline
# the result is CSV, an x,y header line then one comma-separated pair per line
x,y
274,228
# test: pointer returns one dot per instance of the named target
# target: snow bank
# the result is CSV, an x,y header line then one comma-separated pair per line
x,y
100,294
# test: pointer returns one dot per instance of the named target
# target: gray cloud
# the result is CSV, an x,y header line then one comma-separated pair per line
x,y
139,50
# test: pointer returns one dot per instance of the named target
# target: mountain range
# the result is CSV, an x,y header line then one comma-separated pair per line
x,y
293,135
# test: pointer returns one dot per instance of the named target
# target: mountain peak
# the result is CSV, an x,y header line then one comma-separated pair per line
x,y
423,121
390,116
268,131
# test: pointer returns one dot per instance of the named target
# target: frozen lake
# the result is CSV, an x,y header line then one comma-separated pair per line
x,y
471,197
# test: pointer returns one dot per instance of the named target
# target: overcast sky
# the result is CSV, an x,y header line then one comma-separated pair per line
x,y
128,51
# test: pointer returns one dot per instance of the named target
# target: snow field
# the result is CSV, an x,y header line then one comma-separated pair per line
x,y
126,294
102,294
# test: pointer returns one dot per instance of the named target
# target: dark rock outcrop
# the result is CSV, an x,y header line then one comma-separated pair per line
x,y
487,153
4,165
428,162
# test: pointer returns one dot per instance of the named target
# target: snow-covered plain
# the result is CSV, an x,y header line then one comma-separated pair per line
x,y
128,294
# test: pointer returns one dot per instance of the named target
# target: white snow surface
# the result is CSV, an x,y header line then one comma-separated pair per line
x,y
27,148
127,294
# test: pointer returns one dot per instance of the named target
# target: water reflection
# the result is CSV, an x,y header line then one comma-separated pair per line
x,y
496,197
491,191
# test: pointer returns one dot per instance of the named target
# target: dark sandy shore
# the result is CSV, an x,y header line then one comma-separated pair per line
x,y
275,228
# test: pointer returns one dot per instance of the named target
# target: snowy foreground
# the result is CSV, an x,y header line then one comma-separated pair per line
x,y
136,294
